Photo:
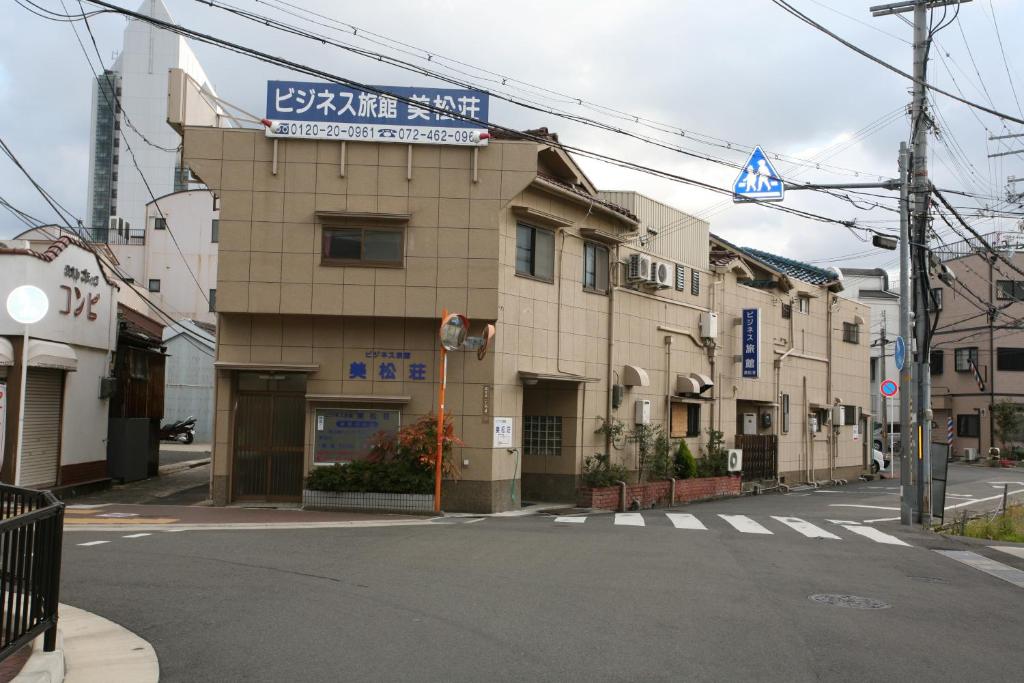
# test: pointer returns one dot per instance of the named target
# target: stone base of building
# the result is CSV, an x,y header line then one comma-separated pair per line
x,y
550,488
481,496
378,502
219,489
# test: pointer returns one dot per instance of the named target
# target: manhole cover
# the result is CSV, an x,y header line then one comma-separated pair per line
x,y
852,601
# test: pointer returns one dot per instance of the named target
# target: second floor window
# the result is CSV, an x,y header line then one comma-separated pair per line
x,y
213,301
694,282
962,358
160,223
215,231
803,304
595,267
363,246
851,333
154,285
936,361
1009,358
535,252
935,301
1010,289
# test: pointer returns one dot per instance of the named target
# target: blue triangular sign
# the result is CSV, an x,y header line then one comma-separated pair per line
x,y
758,180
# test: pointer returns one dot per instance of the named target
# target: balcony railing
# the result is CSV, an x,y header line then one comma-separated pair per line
x,y
108,236
31,533
1001,241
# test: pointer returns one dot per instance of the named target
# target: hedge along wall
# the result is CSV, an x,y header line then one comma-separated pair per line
x,y
656,493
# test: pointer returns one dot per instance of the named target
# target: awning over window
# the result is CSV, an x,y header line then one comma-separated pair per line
x,y
6,352
45,354
635,376
686,385
703,381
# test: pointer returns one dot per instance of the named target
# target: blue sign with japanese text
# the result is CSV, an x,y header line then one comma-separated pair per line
x,y
330,111
751,342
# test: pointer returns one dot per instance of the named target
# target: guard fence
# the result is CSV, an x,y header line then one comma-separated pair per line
x,y
31,532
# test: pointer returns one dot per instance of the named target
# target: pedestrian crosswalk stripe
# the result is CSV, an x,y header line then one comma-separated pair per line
x,y
685,521
874,534
571,520
990,567
136,535
744,524
629,519
805,528
93,543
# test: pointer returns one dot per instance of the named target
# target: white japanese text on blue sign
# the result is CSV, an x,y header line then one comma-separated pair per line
x,y
751,342
329,111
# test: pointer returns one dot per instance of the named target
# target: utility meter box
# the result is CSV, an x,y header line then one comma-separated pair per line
x,y
643,412
709,325
750,423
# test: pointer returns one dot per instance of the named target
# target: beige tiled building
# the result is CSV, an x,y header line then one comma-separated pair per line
x,y
336,260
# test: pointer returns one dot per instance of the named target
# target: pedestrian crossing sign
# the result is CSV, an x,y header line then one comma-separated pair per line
x,y
758,180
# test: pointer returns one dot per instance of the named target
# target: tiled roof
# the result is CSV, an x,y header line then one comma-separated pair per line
x,y
792,267
204,326
721,257
575,189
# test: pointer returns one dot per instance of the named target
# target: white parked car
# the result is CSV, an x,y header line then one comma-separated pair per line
x,y
878,461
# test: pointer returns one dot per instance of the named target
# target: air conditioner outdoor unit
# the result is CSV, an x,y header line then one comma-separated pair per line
x,y
735,460
970,454
661,275
113,225
639,269
709,325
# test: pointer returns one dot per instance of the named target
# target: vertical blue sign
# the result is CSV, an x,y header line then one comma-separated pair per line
x,y
751,342
900,353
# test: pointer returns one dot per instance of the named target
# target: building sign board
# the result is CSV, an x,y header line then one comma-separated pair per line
x,y
503,432
331,111
751,340
344,435
386,366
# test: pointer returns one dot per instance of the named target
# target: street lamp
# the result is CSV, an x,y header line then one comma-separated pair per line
x,y
26,304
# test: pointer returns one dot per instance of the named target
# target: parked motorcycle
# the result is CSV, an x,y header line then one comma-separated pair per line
x,y
182,431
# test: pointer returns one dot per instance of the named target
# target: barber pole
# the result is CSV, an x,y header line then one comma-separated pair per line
x,y
949,431
977,375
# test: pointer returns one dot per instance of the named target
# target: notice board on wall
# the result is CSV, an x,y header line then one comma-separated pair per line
x,y
342,435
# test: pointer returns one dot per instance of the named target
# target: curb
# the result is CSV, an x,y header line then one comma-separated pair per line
x,y
262,526
91,649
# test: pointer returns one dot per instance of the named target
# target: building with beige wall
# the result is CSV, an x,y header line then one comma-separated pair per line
x,y
336,260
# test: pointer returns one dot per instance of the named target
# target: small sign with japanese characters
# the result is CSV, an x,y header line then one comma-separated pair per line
x,y
751,341
330,111
503,432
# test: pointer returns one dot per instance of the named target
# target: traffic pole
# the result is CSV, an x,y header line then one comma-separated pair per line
x,y
440,421
906,380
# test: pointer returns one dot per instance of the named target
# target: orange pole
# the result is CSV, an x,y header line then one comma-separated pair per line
x,y
440,422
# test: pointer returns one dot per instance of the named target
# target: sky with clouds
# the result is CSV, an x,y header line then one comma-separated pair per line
x,y
734,74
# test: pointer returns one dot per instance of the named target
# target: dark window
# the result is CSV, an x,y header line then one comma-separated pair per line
x,y
215,231
851,333
935,301
363,246
787,311
595,267
1010,289
213,301
851,415
160,223
785,413
873,364
937,360
693,419
542,435
535,252
1008,358
962,358
154,285
694,282
680,278
139,364
968,425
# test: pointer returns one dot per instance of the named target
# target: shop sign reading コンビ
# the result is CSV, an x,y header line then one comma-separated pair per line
x,y
330,111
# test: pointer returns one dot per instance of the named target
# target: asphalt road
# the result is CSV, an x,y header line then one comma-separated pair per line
x,y
531,598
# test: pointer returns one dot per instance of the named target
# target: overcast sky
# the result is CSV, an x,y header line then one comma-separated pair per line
x,y
745,72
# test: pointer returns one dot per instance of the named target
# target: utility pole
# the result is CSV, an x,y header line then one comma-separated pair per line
x,y
907,479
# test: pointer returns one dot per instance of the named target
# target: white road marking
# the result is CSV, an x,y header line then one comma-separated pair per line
x,y
682,520
744,524
874,534
93,543
806,528
852,505
983,500
137,535
828,491
990,567
882,519
571,520
1015,550
841,521
959,495
629,519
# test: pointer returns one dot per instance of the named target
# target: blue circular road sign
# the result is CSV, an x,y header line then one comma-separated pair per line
x,y
889,388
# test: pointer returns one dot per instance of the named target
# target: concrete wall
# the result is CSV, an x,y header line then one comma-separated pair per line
x,y
188,385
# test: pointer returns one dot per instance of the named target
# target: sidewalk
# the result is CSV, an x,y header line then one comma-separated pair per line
x,y
91,649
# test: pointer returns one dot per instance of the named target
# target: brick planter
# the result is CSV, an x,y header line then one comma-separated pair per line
x,y
657,493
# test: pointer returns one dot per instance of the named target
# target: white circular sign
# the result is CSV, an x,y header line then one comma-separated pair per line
x,y
27,304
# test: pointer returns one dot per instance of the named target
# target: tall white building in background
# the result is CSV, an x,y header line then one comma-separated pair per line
x,y
138,79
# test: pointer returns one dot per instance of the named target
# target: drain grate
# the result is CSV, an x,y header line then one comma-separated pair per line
x,y
851,601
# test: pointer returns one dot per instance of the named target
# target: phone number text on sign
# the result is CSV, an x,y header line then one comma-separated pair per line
x,y
375,133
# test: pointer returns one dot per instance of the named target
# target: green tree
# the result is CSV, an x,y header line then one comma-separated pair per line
x,y
685,463
1008,421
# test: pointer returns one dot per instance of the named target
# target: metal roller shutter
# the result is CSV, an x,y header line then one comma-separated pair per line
x,y
41,451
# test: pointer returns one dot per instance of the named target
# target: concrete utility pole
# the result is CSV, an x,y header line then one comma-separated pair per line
x,y
907,479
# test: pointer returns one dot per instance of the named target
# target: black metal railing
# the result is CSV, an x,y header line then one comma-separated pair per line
x,y
760,455
31,533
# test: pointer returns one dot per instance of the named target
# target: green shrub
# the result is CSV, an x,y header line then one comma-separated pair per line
x,y
660,466
599,471
685,463
715,462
